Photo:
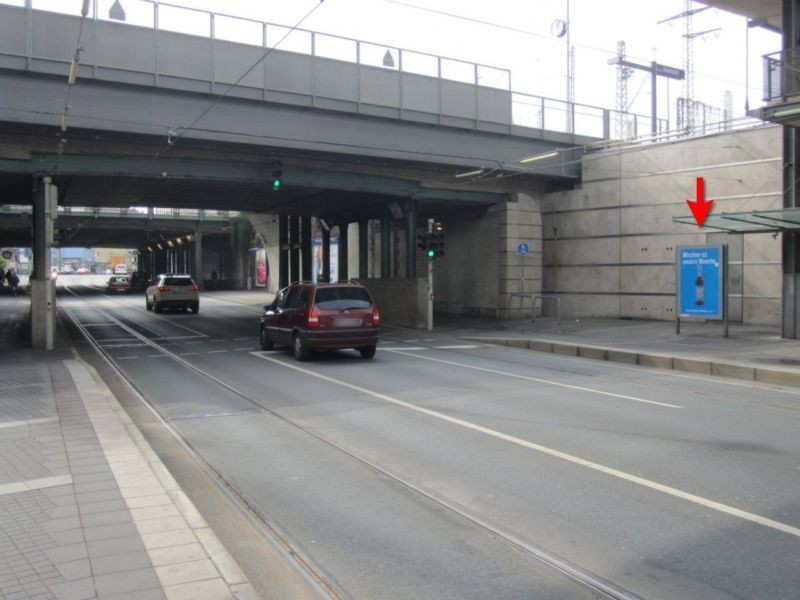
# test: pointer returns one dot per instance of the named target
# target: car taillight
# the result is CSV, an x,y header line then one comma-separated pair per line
x,y
194,288
313,318
163,288
376,317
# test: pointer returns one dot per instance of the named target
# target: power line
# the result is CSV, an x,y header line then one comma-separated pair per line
x,y
175,135
539,35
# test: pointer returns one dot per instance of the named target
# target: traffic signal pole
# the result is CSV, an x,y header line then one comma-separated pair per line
x,y
430,282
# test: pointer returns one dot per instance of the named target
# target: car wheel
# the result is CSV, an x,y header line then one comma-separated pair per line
x,y
300,350
156,307
263,338
367,351
195,307
147,304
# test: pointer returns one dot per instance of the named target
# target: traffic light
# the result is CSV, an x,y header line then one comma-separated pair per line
x,y
437,242
423,240
276,175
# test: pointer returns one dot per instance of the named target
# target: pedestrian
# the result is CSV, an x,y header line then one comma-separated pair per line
x,y
2,277
13,280
214,279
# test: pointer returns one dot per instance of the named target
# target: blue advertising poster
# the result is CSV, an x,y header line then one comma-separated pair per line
x,y
700,272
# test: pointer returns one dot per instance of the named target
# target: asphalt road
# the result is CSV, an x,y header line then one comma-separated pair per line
x,y
443,469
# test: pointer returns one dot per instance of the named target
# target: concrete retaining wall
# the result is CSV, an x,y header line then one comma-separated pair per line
x,y
609,245
400,301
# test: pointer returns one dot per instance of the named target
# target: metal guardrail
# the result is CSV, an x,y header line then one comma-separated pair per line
x,y
527,110
782,74
189,214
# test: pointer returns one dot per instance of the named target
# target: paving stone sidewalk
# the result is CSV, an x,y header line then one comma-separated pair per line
x,y
87,510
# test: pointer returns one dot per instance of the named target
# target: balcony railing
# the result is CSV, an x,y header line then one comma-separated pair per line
x,y
782,74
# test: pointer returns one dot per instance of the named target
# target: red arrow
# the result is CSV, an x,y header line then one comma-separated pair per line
x,y
701,207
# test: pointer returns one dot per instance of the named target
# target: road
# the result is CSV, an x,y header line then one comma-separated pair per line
x,y
443,469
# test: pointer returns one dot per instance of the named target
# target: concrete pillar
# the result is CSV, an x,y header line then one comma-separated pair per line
x,y
283,250
43,297
363,249
411,239
306,249
326,254
343,275
520,221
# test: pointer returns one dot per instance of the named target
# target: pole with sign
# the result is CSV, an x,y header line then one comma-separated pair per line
x,y
702,276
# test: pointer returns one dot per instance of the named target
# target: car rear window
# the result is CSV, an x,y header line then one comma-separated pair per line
x,y
340,298
178,281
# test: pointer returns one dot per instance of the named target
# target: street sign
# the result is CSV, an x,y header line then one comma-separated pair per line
x,y
671,72
700,282
523,249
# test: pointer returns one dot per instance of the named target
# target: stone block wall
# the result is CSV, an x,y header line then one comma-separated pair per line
x,y
609,245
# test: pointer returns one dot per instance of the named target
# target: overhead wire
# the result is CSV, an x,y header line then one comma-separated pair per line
x,y
175,134
535,34
72,78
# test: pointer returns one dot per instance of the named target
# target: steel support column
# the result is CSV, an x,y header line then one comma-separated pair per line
x,y
326,254
343,274
386,247
363,249
306,249
294,252
411,239
283,251
198,257
790,326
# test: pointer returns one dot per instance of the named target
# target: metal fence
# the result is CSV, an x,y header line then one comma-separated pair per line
x,y
782,74
132,212
527,110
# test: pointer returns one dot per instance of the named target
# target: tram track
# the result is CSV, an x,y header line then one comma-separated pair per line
x,y
323,583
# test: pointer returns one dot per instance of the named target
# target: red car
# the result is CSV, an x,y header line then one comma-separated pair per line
x,y
310,316
118,284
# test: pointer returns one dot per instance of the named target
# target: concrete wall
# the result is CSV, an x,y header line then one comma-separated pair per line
x,y
401,302
481,270
609,245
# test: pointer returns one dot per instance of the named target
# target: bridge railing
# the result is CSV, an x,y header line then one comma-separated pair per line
x,y
132,212
521,109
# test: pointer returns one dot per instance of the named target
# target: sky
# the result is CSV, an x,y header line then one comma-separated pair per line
x,y
513,35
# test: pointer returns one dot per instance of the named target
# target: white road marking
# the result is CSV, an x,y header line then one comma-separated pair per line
x,y
406,348
536,379
125,357
242,349
457,347
653,485
8,424
188,354
216,351
242,339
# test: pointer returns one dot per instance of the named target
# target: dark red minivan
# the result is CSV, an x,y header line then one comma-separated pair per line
x,y
310,316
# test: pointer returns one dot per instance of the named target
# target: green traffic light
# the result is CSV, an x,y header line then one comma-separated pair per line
x,y
276,184
431,254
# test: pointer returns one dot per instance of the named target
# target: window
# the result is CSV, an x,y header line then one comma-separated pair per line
x,y
178,281
341,298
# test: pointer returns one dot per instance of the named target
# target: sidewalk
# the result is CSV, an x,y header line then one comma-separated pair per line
x,y
752,353
87,509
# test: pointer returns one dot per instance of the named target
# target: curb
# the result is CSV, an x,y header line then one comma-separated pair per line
x,y
685,364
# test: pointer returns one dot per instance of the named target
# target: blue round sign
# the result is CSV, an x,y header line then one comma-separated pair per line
x,y
523,249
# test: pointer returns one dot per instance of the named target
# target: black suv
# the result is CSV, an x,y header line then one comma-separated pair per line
x,y
310,316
